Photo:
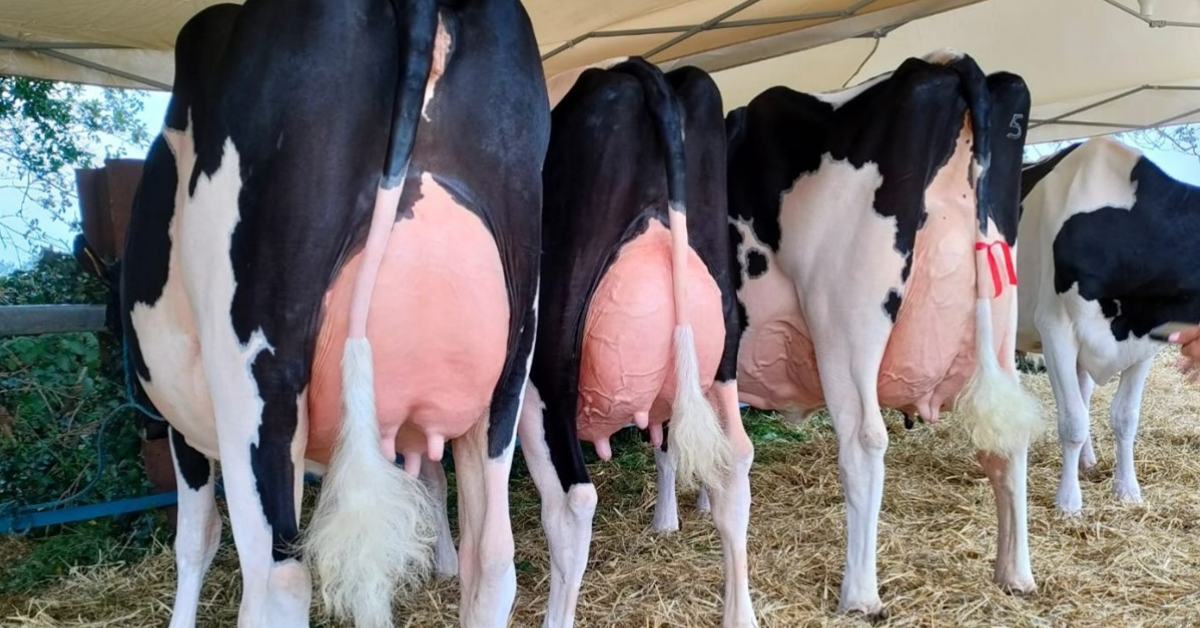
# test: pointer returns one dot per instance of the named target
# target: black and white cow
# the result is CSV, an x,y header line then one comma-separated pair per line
x,y
638,322
874,230
340,190
1110,253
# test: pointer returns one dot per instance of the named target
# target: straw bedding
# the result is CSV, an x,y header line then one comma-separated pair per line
x,y
1119,565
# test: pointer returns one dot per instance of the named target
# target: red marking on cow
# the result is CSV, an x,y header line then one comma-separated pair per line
x,y
1006,251
438,326
627,364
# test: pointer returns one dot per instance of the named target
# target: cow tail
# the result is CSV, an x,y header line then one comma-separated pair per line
x,y
697,445
373,528
998,414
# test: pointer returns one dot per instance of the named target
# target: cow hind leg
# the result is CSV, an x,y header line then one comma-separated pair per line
x,y
731,510
445,557
483,460
568,500
197,530
666,506
1124,418
1062,359
1087,456
1007,475
487,575
862,442
666,502
261,470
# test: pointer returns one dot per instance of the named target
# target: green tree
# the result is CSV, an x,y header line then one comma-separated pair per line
x,y
47,129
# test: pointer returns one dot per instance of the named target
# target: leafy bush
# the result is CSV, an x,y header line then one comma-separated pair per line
x,y
56,391
55,278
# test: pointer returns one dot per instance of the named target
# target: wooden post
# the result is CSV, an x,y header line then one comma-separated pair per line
x,y
105,202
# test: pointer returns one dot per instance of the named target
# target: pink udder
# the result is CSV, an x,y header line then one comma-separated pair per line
x,y
777,367
627,367
930,353
438,328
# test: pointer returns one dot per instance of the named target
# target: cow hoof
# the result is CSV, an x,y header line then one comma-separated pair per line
x,y
1068,512
1019,588
1129,495
743,622
794,417
1086,467
872,611
1070,503
702,503
666,527
446,568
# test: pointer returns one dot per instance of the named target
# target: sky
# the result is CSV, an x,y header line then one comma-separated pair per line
x,y
154,108
1180,166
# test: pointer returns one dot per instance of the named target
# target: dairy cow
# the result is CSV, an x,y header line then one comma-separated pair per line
x,y
874,230
317,224
1109,254
638,323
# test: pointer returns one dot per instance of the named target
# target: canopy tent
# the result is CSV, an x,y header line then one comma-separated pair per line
x,y
127,43
1093,66
1073,53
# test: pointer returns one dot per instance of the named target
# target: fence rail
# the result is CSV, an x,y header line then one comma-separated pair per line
x,y
33,320
29,320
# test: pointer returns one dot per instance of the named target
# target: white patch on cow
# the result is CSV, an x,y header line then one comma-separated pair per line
x,y
272,593
441,56
1070,331
166,329
833,241
299,448
838,98
770,295
566,516
1100,354
942,56
197,537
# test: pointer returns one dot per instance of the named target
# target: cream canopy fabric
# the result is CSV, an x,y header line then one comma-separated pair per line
x,y
1072,52
127,43
1092,68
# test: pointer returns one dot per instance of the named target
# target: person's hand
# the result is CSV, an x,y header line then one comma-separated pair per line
x,y
1189,341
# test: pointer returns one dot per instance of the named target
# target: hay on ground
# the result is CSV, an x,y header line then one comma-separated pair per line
x,y
1120,564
